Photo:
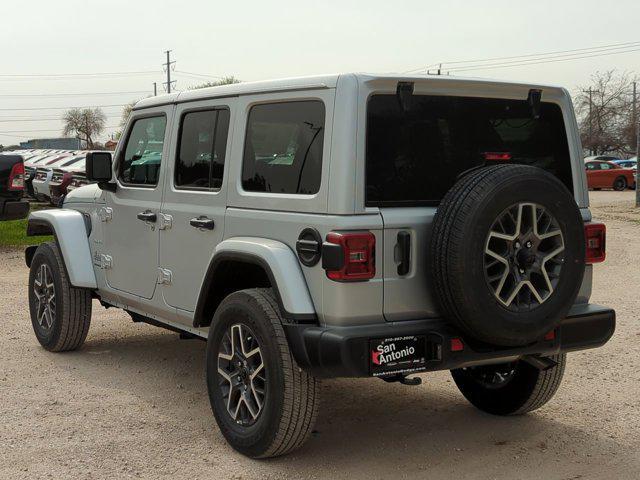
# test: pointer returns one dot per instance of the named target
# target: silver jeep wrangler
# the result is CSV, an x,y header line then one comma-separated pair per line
x,y
337,226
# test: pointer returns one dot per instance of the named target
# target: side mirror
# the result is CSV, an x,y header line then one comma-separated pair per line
x,y
98,165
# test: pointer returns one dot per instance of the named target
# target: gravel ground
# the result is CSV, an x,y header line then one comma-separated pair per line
x,y
133,403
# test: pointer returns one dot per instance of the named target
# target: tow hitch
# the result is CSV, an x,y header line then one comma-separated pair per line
x,y
541,363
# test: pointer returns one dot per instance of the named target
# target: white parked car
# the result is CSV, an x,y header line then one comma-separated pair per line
x,y
43,175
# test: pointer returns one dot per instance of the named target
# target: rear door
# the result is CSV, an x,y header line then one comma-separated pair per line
x,y
414,155
195,198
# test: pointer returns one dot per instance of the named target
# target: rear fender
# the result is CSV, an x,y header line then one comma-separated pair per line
x,y
279,263
71,230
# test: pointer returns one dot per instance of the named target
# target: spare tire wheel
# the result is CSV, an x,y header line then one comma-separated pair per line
x,y
507,254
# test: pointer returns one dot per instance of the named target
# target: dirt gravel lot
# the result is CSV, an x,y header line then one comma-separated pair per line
x,y
132,403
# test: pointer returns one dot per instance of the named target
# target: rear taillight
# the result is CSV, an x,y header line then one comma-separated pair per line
x,y
16,177
595,235
353,259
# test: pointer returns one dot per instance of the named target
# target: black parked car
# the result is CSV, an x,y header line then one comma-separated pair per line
x,y
12,205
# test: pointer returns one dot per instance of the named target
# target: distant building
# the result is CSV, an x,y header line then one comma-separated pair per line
x,y
110,144
57,143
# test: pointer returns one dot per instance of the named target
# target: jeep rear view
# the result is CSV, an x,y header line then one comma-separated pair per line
x,y
346,225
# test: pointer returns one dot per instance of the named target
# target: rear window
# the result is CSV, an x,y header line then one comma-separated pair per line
x,y
414,156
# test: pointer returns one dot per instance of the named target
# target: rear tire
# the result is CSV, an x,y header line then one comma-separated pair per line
x,y
620,184
507,254
60,313
264,404
518,388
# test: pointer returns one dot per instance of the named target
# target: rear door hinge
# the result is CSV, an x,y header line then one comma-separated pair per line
x,y
164,276
103,261
165,221
105,214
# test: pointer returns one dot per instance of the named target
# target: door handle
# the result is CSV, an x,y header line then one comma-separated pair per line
x,y
204,223
404,247
147,216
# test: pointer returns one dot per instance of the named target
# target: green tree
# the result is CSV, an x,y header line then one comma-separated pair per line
x,y
84,123
223,81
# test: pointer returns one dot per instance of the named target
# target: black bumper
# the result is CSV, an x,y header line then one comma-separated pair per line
x,y
346,351
13,209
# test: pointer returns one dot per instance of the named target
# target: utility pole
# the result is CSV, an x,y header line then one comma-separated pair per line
x,y
636,125
155,89
591,120
167,65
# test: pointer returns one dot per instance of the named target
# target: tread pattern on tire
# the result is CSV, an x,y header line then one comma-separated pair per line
x,y
546,386
444,234
301,395
76,308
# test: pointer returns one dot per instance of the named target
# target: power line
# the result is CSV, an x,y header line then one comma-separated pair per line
x,y
64,75
611,46
43,119
198,75
525,63
47,130
529,58
64,108
136,92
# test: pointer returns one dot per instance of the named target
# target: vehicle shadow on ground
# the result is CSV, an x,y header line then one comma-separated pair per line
x,y
361,420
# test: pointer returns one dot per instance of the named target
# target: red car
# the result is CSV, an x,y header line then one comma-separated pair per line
x,y
601,174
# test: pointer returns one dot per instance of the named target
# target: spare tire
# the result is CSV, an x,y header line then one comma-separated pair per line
x,y
507,254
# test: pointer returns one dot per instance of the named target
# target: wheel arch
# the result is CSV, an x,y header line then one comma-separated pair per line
x,y
246,262
71,230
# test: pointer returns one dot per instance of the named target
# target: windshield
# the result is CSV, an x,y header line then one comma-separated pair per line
x,y
414,156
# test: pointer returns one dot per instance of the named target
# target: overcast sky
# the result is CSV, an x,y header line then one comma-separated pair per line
x,y
255,40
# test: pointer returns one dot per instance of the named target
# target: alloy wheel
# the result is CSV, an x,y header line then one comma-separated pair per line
x,y
45,292
242,374
523,256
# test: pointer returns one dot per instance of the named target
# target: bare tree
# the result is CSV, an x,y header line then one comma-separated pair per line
x,y
84,123
604,110
223,81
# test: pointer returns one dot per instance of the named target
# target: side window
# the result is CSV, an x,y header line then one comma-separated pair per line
x,y
202,149
283,148
605,166
592,166
143,153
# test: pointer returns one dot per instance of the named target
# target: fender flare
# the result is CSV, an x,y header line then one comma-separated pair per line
x,y
281,266
71,230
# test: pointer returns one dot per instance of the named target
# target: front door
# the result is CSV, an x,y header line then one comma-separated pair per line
x,y
195,198
131,226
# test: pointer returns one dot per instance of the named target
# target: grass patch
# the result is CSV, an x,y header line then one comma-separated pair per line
x,y
14,233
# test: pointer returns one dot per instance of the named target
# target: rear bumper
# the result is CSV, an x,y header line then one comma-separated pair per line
x,y
346,351
13,209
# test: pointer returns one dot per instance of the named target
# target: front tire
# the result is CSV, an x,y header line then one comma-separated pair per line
x,y
510,389
264,404
60,313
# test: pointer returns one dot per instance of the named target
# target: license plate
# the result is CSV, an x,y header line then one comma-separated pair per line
x,y
397,355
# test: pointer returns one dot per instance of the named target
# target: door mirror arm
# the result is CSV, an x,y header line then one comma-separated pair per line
x,y
108,186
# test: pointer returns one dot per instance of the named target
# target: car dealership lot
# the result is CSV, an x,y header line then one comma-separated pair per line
x,y
133,403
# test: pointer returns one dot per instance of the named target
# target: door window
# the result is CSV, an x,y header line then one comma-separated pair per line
x,y
605,166
593,166
202,148
283,148
140,165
